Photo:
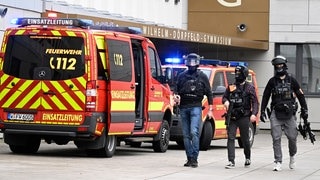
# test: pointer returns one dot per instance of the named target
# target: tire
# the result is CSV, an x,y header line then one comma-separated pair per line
x,y
107,151
162,144
32,146
206,136
251,136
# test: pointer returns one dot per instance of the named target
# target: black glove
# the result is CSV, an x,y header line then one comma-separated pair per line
x,y
263,116
304,114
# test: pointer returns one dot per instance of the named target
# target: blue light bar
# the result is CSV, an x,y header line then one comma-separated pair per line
x,y
238,63
213,62
52,22
173,60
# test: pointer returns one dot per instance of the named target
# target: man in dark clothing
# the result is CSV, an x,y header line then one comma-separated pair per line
x,y
242,100
191,87
283,90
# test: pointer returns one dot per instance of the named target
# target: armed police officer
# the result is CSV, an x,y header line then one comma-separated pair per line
x,y
242,105
283,90
191,87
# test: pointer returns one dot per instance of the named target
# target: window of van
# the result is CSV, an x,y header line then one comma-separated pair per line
x,y
120,60
44,57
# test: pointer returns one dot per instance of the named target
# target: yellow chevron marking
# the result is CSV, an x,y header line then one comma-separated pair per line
x,y
56,33
122,105
45,104
31,93
20,32
36,104
4,92
53,98
12,98
71,33
70,100
3,77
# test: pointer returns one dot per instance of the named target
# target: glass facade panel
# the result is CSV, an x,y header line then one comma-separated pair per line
x,y
303,64
311,68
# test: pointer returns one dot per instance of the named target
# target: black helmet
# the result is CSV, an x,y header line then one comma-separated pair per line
x,y
280,71
192,59
241,73
279,60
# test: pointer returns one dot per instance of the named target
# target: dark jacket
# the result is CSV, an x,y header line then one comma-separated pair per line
x,y
252,103
201,87
272,83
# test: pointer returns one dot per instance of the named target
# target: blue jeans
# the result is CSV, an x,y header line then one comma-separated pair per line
x,y
191,119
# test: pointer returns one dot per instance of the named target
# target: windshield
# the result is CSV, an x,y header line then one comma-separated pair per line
x,y
44,57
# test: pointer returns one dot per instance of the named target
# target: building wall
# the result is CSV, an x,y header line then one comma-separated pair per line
x,y
222,17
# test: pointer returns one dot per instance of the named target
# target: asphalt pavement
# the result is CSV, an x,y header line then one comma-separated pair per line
x,y
67,162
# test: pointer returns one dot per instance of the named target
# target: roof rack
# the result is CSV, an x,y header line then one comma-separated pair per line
x,y
131,30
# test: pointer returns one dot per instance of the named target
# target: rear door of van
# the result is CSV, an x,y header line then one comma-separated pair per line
x,y
43,77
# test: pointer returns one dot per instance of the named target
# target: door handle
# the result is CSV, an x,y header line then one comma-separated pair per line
x,y
49,93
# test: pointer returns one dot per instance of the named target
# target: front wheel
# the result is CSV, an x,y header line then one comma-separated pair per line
x,y
251,136
162,144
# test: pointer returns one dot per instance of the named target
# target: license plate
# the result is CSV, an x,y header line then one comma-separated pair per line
x,y
18,116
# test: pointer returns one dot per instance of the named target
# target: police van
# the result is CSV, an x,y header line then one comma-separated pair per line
x,y
65,80
220,74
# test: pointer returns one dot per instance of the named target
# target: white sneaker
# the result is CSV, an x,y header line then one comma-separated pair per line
x,y
277,166
292,163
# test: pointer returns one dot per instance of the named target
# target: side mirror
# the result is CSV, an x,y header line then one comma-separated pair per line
x,y
168,73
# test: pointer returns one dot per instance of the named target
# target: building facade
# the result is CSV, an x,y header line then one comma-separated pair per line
x,y
272,27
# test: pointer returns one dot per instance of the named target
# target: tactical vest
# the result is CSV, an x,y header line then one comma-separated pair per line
x,y
240,101
191,85
282,92
284,102
239,97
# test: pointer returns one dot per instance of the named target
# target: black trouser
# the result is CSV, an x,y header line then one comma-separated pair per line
x,y
243,124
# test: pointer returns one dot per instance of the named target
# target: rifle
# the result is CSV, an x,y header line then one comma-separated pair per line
x,y
227,115
306,130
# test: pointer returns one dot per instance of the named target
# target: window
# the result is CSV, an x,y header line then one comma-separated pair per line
x,y
120,60
44,57
303,64
218,81
156,71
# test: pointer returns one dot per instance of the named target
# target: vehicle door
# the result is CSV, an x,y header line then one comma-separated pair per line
x,y
44,77
121,84
219,86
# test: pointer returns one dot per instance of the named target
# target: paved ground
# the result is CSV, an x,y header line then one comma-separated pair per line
x,y
66,162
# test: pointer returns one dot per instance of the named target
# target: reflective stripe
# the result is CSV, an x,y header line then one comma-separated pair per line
x,y
123,105
155,106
